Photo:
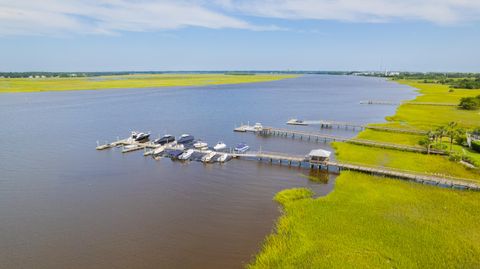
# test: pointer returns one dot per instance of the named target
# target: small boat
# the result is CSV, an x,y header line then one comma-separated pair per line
x,y
223,158
158,150
141,136
174,154
220,146
257,127
165,139
241,148
186,155
185,139
200,144
208,157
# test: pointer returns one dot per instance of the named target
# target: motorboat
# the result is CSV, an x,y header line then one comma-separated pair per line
x,y
220,146
141,136
158,150
257,127
200,144
173,153
208,157
185,139
165,139
186,155
241,148
223,158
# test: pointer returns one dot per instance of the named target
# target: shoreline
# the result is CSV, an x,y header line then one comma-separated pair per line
x,y
290,235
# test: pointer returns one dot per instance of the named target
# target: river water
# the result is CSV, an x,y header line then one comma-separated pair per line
x,y
65,205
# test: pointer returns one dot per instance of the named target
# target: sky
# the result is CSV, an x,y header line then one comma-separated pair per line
x,y
182,35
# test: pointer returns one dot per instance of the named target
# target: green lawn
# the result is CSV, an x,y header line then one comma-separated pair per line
x,y
370,222
390,137
410,161
129,81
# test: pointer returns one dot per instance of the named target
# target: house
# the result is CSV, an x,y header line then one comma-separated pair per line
x,y
318,156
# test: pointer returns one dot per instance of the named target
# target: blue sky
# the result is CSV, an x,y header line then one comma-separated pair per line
x,y
114,35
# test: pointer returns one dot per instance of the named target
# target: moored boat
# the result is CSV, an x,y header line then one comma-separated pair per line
x,y
200,144
223,158
186,155
165,139
241,148
220,146
185,139
141,136
208,157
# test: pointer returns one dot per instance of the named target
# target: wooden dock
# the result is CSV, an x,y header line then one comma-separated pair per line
x,y
128,145
321,137
330,166
329,124
382,102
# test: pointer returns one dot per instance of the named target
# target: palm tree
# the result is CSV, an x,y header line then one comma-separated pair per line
x,y
451,132
441,132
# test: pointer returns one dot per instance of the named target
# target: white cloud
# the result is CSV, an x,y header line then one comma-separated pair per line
x,y
60,17
435,11
108,16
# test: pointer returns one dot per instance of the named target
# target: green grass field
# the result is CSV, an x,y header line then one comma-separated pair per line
x,y
129,81
409,161
369,222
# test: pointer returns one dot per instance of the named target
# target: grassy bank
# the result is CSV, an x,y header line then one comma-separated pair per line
x,y
373,222
129,81
376,223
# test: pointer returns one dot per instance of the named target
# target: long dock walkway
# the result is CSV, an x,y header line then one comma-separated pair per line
x,y
300,161
329,124
382,102
318,137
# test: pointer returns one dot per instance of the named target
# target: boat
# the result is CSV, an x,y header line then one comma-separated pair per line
x,y
164,140
186,155
158,150
223,158
200,144
241,148
208,157
141,136
185,139
257,127
173,153
220,146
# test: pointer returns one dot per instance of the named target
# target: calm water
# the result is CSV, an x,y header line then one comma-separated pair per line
x,y
65,205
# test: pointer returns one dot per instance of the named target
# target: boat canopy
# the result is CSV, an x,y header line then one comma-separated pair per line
x,y
319,153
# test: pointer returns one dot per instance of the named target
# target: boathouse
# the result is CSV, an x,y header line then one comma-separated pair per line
x,y
318,156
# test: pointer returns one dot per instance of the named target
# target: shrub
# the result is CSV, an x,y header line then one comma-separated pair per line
x,y
476,145
470,103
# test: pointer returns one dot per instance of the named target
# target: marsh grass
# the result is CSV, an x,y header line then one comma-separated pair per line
x,y
371,222
129,81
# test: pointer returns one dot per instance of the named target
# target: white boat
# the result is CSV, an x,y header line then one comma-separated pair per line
x,y
208,157
220,146
257,127
186,155
158,150
200,144
241,148
222,158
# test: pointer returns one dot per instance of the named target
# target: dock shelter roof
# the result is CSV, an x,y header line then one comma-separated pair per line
x,y
320,153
